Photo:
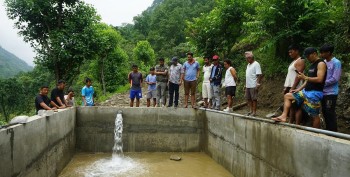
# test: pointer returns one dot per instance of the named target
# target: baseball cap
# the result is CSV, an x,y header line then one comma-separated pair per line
x,y
215,57
309,51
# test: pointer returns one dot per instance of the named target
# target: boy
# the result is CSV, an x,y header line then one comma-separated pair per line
x,y
135,79
70,97
152,89
87,93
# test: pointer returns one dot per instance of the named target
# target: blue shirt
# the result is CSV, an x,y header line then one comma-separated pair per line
x,y
190,70
331,86
151,78
213,73
88,93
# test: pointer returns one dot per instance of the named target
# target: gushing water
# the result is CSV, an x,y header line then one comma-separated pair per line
x,y
118,165
118,135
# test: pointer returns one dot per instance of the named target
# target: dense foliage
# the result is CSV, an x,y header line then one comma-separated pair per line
x,y
73,44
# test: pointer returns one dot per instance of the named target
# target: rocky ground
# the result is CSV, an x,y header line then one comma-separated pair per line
x,y
270,98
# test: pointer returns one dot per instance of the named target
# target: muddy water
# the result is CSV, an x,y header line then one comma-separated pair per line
x,y
143,164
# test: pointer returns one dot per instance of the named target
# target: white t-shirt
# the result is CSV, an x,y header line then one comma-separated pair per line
x,y
251,74
229,80
207,73
291,75
69,102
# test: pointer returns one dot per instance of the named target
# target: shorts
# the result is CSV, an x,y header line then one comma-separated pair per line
x,y
151,94
190,85
206,91
287,89
251,94
231,90
310,100
135,93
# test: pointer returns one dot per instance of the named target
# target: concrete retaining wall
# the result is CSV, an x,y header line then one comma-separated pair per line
x,y
251,148
151,129
40,148
247,148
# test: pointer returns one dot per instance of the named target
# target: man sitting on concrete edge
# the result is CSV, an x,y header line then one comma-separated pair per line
x,y
310,94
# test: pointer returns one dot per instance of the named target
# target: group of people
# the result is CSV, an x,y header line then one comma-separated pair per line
x,y
304,95
163,79
59,100
315,92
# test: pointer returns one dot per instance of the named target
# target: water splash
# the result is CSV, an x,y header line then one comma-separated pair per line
x,y
118,165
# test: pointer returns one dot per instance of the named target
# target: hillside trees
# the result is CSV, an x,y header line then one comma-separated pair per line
x,y
217,31
59,31
144,53
164,24
106,42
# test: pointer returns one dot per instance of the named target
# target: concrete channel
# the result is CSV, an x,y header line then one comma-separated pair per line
x,y
245,146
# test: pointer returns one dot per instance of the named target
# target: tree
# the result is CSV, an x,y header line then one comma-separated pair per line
x,y
144,53
59,31
106,42
217,31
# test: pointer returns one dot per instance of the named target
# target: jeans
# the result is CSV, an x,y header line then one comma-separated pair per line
x,y
328,110
173,88
216,96
161,86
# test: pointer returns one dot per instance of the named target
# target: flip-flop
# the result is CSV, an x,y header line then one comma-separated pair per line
x,y
277,119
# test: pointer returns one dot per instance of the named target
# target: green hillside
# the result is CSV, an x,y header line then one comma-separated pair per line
x,y
10,65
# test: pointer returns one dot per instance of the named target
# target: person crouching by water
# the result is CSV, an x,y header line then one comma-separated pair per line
x,y
87,93
310,94
230,84
135,79
42,102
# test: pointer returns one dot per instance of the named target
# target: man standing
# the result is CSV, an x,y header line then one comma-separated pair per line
x,y
87,93
230,84
215,82
206,89
151,81
190,76
162,81
310,94
253,81
174,82
42,102
292,82
135,79
331,88
57,94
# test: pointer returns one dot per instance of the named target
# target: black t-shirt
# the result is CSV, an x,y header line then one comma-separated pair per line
x,y
57,93
39,99
313,73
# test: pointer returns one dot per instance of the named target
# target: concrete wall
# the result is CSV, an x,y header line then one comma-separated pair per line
x,y
247,148
250,148
40,148
152,129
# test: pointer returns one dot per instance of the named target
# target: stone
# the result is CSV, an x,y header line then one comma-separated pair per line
x,y
175,157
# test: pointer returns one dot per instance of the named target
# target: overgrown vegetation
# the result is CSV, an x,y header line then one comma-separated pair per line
x,y
72,43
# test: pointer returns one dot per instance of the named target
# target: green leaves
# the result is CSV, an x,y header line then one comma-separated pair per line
x,y
143,52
